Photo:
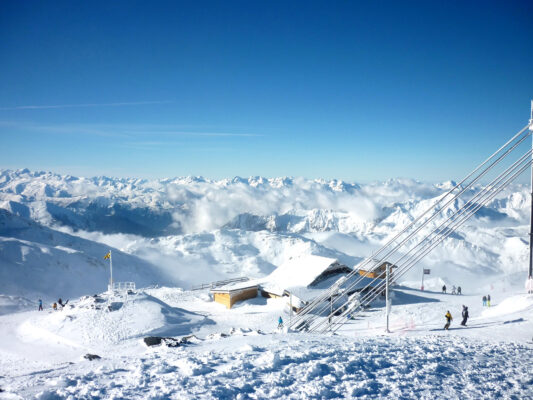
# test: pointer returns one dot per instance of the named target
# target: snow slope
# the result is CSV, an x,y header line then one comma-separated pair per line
x,y
238,354
38,261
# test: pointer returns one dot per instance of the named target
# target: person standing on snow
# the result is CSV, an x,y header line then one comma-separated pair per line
x,y
280,322
465,315
459,290
488,300
484,301
444,289
40,305
448,320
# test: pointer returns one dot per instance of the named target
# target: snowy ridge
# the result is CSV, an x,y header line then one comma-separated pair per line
x,y
87,323
38,261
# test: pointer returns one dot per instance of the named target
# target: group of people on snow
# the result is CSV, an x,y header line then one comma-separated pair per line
x,y
54,305
454,289
486,300
449,317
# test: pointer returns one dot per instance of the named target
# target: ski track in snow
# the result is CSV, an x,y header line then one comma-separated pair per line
x,y
297,367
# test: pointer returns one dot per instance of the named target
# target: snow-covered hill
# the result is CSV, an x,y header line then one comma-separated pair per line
x,y
38,261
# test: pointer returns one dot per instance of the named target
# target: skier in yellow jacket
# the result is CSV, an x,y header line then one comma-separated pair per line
x,y
448,320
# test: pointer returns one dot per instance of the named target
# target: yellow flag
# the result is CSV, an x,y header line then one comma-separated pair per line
x,y
108,255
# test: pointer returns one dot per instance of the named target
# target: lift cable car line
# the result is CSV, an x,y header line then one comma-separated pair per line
x,y
492,192
311,317
406,239
444,233
327,294
450,225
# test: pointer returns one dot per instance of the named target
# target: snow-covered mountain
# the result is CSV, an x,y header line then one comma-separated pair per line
x,y
37,260
190,230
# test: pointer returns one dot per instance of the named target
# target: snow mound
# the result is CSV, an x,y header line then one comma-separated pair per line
x,y
510,305
135,317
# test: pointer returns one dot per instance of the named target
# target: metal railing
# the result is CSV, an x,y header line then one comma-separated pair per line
x,y
216,284
123,286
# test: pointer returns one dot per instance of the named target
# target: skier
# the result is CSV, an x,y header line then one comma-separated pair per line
x,y
54,306
459,290
488,300
280,323
444,289
448,320
465,315
453,289
40,305
484,301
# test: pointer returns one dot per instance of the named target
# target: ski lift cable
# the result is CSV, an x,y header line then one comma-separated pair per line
x,y
446,225
413,260
314,304
309,307
438,230
407,266
478,206
451,224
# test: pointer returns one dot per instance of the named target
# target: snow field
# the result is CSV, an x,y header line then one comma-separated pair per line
x,y
238,354
295,366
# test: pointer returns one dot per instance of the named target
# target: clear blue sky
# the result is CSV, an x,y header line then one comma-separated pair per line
x,y
335,89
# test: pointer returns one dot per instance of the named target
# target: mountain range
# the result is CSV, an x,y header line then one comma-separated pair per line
x,y
55,229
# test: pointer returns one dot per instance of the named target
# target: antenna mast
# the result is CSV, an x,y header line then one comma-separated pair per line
x,y
530,275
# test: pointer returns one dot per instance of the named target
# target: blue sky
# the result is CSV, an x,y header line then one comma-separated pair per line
x,y
352,90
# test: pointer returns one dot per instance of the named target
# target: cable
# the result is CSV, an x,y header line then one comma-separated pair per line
x,y
329,293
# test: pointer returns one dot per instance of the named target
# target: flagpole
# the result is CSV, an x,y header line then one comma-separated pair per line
x,y
110,271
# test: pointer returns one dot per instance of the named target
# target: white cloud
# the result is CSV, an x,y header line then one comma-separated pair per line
x,y
118,104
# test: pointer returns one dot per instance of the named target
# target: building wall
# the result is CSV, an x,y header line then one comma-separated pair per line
x,y
379,274
241,295
222,298
370,274
230,298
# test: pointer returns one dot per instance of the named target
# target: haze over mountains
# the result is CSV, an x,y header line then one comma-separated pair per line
x,y
55,229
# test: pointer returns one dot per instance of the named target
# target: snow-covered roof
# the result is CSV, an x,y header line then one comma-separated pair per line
x,y
348,285
235,286
299,271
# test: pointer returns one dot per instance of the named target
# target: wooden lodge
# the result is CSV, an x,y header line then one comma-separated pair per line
x,y
379,272
229,295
